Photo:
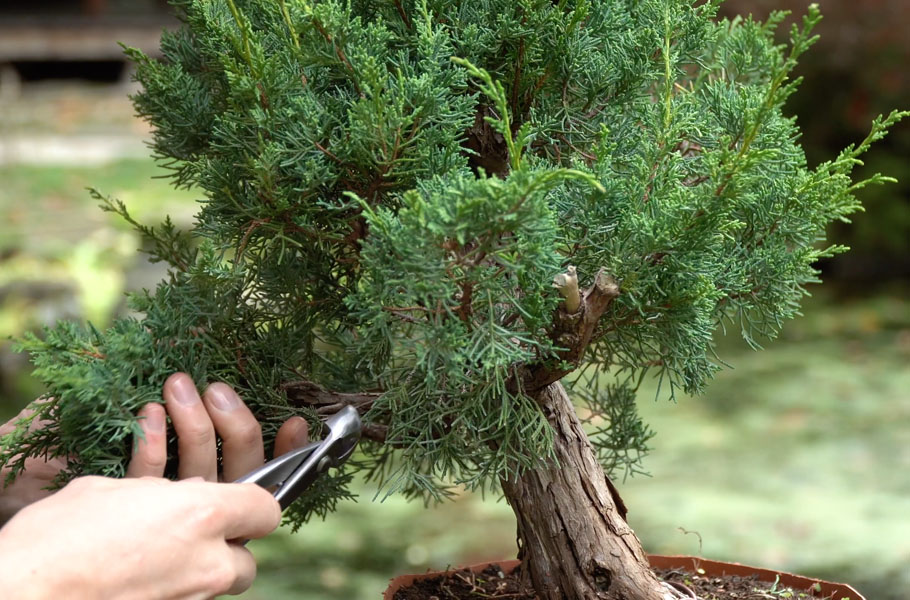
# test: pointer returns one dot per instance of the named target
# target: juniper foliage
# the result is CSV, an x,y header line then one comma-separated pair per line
x,y
388,189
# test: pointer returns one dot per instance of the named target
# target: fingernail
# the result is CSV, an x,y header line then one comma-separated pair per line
x,y
184,391
154,420
223,399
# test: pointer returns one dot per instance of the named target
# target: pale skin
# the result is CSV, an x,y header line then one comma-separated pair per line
x,y
145,537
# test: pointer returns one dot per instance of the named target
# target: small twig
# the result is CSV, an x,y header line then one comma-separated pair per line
x,y
478,591
404,15
339,52
402,312
587,155
405,308
465,309
289,23
238,18
696,534
329,154
517,79
254,224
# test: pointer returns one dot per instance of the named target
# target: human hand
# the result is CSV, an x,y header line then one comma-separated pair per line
x,y
33,483
197,421
143,538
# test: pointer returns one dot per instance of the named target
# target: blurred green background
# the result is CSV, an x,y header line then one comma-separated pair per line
x,y
798,458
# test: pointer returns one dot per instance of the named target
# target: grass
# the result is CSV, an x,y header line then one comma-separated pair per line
x,y
798,458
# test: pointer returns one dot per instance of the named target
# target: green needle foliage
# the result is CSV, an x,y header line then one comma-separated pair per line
x,y
388,190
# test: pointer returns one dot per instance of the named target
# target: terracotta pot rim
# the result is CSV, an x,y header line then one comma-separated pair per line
x,y
837,591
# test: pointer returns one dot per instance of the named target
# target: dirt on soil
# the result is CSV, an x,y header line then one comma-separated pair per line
x,y
493,583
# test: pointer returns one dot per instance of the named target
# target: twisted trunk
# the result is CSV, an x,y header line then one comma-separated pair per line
x,y
574,541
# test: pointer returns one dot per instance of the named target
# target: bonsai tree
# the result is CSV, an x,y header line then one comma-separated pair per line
x,y
460,218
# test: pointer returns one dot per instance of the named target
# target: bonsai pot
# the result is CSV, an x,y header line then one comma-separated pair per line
x,y
815,588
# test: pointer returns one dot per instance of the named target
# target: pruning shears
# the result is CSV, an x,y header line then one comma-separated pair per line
x,y
292,473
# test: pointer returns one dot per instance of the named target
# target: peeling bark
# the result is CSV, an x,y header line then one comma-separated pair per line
x,y
573,539
327,402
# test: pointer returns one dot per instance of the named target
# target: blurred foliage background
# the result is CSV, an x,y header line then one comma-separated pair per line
x,y
798,458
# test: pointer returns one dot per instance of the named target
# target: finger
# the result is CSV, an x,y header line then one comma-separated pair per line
x,y
150,454
31,409
195,433
249,512
244,568
241,435
10,425
26,414
293,433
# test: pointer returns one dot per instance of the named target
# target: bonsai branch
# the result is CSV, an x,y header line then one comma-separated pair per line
x,y
326,402
572,330
485,147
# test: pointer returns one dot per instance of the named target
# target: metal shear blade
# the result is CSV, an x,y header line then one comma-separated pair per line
x,y
294,472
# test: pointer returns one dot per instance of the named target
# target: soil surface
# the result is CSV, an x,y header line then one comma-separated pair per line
x,y
493,583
